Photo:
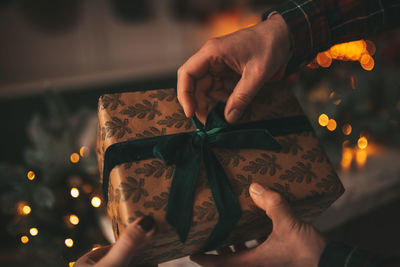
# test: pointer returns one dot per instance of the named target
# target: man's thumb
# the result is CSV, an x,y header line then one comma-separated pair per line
x,y
274,205
243,94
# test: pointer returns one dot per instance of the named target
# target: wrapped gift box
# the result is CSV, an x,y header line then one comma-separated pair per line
x,y
194,180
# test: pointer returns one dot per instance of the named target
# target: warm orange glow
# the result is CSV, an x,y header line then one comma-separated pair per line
x,y
24,239
74,157
351,51
33,231
331,125
84,152
74,192
30,175
231,21
26,210
365,59
346,129
347,158
323,120
73,219
324,59
23,208
96,202
361,157
368,65
362,142
69,242
71,264
87,188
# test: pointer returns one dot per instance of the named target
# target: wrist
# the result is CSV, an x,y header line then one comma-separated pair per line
x,y
283,28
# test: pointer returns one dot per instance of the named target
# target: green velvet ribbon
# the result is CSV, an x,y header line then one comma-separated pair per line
x,y
188,150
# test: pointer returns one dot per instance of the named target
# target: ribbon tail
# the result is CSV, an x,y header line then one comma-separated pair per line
x,y
227,205
181,194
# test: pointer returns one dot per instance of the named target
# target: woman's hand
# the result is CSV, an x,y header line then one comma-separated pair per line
x,y
232,68
120,253
291,243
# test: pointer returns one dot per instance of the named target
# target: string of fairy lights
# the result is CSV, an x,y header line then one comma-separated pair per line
x,y
24,208
361,51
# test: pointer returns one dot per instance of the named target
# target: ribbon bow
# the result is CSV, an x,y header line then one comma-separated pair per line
x,y
188,150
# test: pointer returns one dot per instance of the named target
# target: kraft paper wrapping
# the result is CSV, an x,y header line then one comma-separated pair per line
x,y
300,171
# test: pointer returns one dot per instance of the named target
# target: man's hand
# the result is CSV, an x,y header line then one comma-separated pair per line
x,y
232,68
291,243
120,253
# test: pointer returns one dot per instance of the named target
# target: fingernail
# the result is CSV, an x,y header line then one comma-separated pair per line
x,y
234,115
257,189
146,223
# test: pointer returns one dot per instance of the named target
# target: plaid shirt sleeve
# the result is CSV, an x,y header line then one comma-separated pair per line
x,y
315,25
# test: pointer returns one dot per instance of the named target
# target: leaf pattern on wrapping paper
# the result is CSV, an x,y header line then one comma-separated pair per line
x,y
159,202
142,110
168,95
176,120
206,209
111,101
127,165
299,173
117,127
316,154
228,156
153,131
242,183
284,190
263,165
290,145
329,184
132,188
156,168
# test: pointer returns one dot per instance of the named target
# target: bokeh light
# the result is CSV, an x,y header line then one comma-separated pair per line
x,y
362,142
96,202
73,219
74,157
331,125
69,242
323,119
33,231
346,129
84,152
74,192
31,175
24,239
